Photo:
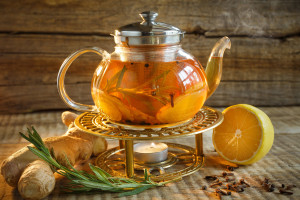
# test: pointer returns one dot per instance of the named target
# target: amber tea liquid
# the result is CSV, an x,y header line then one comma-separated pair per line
x,y
149,92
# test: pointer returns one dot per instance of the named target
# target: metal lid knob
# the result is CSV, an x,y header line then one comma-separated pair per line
x,y
148,16
148,32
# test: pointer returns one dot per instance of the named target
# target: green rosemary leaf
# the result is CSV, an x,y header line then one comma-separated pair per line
x,y
75,172
115,79
37,136
104,172
146,174
118,179
99,170
94,185
121,77
130,185
135,191
100,175
43,157
25,137
90,176
31,136
29,139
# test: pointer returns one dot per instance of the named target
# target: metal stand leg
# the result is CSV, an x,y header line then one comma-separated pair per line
x,y
129,164
199,144
121,144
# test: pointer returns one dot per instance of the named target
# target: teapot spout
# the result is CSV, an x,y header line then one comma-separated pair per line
x,y
214,65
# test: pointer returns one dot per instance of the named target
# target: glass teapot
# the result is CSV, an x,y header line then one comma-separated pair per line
x,y
149,79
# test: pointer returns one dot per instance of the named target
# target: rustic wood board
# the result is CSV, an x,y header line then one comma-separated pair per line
x,y
286,120
46,97
276,18
281,164
258,59
250,75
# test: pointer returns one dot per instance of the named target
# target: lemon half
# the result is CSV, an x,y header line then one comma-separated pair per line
x,y
245,136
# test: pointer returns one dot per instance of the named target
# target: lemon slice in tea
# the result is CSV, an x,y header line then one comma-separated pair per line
x,y
113,107
245,136
184,107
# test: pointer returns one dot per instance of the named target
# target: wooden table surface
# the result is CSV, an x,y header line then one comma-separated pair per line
x,y
281,165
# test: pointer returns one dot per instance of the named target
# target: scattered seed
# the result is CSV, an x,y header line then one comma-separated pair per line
x,y
240,189
172,99
225,192
271,189
218,191
242,181
227,179
283,191
282,185
231,168
228,185
216,184
224,174
211,178
146,65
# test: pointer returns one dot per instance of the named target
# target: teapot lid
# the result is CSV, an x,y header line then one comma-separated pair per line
x,y
148,32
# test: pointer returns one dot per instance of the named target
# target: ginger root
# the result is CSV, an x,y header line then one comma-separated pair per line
x,y
37,180
23,168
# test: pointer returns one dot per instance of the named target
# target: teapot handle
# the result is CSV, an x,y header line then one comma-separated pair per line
x,y
61,78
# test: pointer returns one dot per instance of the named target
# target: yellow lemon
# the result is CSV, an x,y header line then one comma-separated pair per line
x,y
245,136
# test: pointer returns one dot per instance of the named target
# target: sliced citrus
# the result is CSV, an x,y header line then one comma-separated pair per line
x,y
245,136
147,104
184,108
113,107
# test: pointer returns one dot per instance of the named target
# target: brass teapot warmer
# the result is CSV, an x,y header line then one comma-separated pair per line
x,y
182,160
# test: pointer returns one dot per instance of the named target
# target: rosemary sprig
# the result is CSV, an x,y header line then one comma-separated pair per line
x,y
81,181
116,79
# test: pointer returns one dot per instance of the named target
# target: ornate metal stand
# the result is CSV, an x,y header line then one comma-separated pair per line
x,y
182,160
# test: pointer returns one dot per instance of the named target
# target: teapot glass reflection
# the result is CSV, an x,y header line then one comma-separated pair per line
x,y
149,79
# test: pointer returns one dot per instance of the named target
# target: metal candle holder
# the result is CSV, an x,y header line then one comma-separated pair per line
x,y
182,160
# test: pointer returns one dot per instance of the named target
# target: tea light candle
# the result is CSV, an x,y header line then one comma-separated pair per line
x,y
148,152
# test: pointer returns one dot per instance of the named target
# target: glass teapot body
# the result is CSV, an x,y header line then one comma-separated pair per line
x,y
149,78
149,85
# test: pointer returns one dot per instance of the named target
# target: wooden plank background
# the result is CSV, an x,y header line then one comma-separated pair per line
x,y
262,68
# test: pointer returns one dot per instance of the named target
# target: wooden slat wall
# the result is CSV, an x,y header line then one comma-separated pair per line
x,y
262,67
